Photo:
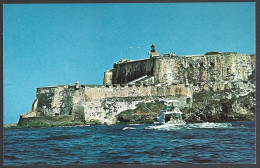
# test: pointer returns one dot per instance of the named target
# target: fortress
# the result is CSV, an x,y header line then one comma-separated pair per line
x,y
172,69
159,77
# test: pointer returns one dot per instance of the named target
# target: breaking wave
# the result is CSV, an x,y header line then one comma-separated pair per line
x,y
125,128
169,127
210,125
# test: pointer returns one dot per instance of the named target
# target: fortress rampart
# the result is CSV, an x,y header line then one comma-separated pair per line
x,y
56,96
164,77
98,101
197,69
51,101
128,71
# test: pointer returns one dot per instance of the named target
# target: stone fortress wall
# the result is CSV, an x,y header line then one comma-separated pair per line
x,y
99,101
125,72
51,101
195,69
157,78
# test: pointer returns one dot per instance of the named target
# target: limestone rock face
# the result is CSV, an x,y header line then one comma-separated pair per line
x,y
227,105
147,112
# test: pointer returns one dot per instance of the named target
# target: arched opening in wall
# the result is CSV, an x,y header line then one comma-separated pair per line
x,y
70,113
201,64
191,65
212,64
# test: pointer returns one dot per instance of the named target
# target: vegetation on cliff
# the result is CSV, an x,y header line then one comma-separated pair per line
x,y
208,106
220,106
143,113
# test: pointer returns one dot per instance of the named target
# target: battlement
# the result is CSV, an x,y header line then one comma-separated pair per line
x,y
135,91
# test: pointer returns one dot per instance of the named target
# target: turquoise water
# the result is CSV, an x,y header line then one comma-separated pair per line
x,y
232,142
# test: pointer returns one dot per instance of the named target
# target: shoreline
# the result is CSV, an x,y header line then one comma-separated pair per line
x,y
16,126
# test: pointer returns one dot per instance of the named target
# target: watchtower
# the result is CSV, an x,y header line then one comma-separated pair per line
x,y
153,52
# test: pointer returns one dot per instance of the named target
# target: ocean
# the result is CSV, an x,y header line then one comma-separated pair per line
x,y
209,143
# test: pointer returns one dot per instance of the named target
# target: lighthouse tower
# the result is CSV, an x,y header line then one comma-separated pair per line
x,y
153,52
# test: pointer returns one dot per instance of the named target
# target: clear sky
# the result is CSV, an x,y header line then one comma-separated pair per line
x,y
54,44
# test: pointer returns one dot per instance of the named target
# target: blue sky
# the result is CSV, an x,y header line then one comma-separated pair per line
x,y
54,44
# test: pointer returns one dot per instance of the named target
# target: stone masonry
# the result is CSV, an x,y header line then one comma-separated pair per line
x,y
164,77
